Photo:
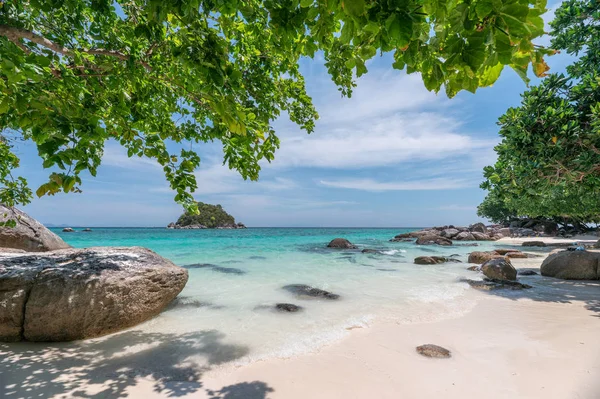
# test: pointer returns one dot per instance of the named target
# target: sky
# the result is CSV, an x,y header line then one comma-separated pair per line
x,y
392,155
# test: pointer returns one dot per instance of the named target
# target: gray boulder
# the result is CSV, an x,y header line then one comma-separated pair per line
x,y
499,269
75,294
572,265
481,236
431,239
28,235
341,243
478,228
449,233
464,236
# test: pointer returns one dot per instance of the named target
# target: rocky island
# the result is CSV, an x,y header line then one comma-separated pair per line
x,y
208,217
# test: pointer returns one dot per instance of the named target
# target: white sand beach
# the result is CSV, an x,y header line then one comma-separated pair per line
x,y
537,343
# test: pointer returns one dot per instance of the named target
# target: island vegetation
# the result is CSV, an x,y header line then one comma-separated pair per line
x,y
548,165
144,73
208,217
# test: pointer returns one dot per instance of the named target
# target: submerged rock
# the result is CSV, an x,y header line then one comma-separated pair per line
x,y
288,307
28,234
526,272
572,265
474,268
306,292
370,251
430,350
75,294
499,269
341,243
216,268
491,284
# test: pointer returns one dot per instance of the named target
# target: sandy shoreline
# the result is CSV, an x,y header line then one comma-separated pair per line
x,y
538,343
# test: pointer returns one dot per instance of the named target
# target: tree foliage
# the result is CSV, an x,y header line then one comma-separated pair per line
x,y
549,158
208,215
147,73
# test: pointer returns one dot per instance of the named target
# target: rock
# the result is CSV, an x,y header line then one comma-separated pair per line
x,y
306,292
241,225
491,284
464,236
28,234
430,350
433,240
526,272
533,244
87,230
219,269
481,236
482,257
516,255
504,251
370,251
478,228
474,268
504,232
430,260
572,265
597,244
499,269
171,225
288,307
73,294
449,233
68,230
341,243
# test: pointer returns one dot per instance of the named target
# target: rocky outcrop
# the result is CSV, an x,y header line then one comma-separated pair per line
x,y
304,291
572,265
430,350
475,232
73,294
499,269
341,243
208,217
430,239
28,234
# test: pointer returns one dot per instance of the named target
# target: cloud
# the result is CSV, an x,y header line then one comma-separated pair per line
x,y
413,185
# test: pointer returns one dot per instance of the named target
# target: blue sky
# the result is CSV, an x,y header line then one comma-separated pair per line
x,y
392,155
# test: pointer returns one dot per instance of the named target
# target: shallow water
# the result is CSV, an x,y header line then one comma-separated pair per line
x,y
237,276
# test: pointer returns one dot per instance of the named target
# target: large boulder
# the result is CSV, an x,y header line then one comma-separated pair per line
x,y
449,233
28,234
481,236
482,257
499,269
432,239
75,294
478,228
430,260
464,236
572,265
341,243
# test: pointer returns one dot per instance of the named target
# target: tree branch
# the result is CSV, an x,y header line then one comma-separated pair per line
x,y
16,34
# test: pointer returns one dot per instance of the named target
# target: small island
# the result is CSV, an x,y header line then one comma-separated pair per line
x,y
208,217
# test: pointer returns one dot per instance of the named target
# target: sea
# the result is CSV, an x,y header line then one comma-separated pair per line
x,y
236,277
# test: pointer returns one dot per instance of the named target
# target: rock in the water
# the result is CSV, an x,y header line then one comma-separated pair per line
x,y
75,294
478,228
431,239
68,230
504,251
87,230
499,269
341,243
482,257
572,265
597,244
526,272
516,255
464,236
28,234
430,350
491,284
481,236
306,291
449,233
534,244
288,307
474,268
219,269
370,251
430,260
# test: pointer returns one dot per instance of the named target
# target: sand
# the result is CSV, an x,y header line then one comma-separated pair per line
x,y
538,343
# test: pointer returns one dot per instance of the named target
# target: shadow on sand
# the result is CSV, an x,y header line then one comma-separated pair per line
x,y
107,367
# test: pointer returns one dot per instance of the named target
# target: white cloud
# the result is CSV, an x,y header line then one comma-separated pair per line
x,y
411,185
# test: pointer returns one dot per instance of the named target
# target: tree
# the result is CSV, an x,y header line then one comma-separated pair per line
x,y
495,209
147,73
549,158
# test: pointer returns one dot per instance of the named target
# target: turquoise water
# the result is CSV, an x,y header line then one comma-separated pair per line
x,y
235,295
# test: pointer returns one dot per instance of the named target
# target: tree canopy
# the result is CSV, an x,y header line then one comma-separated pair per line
x,y
549,158
146,73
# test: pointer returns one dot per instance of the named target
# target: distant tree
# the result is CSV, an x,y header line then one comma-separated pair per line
x,y
208,215
549,158
75,73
